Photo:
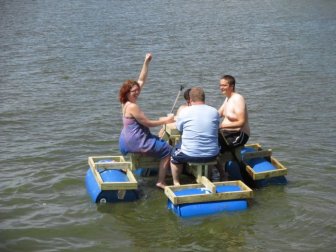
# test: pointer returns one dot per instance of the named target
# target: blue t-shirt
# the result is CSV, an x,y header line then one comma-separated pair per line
x,y
199,127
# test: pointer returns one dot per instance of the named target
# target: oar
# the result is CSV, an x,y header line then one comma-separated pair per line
x,y
177,97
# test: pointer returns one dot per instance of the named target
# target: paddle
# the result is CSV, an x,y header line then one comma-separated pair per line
x,y
171,111
177,97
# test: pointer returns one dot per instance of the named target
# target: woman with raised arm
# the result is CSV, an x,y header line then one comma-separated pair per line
x,y
135,136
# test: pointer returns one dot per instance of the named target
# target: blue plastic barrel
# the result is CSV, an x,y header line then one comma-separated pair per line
x,y
108,175
206,208
263,165
232,167
258,164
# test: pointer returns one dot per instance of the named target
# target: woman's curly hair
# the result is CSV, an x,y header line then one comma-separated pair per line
x,y
125,89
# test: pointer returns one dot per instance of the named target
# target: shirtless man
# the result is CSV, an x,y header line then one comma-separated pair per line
x,y
235,126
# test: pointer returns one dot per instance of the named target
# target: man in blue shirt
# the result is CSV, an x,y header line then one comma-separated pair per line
x,y
198,124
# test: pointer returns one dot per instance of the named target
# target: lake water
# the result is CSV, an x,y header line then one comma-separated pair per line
x,y
61,66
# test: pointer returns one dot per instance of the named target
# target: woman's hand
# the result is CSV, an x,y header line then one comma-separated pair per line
x,y
169,118
148,57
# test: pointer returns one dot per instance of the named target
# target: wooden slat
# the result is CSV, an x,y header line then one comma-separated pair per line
x,y
114,165
257,154
170,194
142,161
91,163
280,171
251,172
185,186
196,169
97,176
171,129
245,193
278,165
244,187
119,186
256,146
117,163
115,158
208,184
130,176
171,133
211,197
199,173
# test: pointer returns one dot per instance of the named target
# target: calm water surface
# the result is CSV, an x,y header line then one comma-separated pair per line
x,y
61,66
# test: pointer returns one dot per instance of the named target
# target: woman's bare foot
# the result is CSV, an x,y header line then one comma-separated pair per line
x,y
161,185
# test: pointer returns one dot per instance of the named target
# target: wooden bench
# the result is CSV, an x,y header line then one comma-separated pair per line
x,y
200,169
147,163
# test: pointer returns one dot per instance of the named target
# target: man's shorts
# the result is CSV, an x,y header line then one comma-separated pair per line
x,y
231,139
178,157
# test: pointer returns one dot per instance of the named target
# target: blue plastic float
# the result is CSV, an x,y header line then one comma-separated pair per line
x,y
262,164
207,208
108,175
186,201
258,164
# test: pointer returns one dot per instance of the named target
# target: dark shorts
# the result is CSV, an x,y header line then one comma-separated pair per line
x,y
231,139
178,157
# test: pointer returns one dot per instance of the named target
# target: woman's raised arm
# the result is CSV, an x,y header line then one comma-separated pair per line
x,y
144,71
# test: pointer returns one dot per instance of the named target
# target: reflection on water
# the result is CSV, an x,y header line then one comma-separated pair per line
x,y
61,66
